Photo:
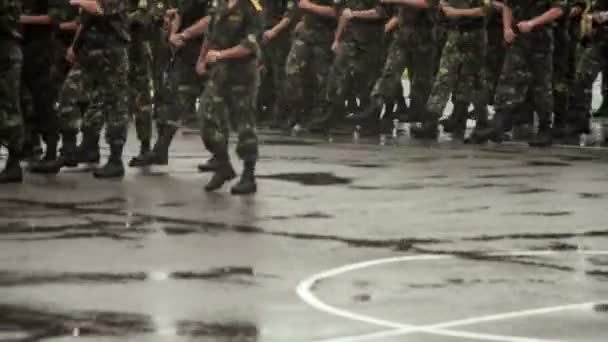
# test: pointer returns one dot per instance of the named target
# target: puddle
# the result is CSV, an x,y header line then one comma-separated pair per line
x,y
310,178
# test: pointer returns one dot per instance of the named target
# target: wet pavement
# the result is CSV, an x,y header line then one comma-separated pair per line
x,y
344,242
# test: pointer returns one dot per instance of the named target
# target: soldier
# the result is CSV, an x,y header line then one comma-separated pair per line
x,y
275,47
39,47
140,72
462,67
528,66
592,61
11,120
229,57
100,47
414,46
356,44
310,56
189,23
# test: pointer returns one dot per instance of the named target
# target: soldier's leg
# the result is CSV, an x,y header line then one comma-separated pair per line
x,y
243,93
214,127
140,99
106,83
387,84
511,93
296,67
591,62
422,79
11,119
278,57
495,58
560,73
541,66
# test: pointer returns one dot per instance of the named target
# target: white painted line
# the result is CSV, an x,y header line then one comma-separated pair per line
x,y
304,291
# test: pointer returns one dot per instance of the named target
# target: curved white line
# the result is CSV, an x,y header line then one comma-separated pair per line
x,y
304,291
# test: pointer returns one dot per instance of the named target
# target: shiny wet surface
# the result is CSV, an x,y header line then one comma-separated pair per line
x,y
155,258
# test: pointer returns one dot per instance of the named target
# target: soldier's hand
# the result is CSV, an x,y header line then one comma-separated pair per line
x,y
176,40
525,26
269,35
509,36
299,26
70,56
213,56
335,46
347,14
447,10
201,66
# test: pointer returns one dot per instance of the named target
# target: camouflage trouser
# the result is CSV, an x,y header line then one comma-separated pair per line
x,y
495,57
526,70
177,101
353,72
305,60
229,99
140,99
591,62
461,72
414,51
37,81
11,119
561,82
274,59
103,76
161,53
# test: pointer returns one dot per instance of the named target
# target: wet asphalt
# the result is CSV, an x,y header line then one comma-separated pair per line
x,y
155,258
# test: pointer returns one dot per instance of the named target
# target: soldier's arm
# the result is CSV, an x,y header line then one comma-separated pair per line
x,y
196,30
323,11
411,3
391,25
35,20
543,19
366,14
452,12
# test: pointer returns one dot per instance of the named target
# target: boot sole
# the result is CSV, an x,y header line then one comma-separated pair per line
x,y
241,193
226,180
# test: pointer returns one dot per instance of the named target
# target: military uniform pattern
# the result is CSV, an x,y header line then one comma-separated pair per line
x,y
229,98
528,64
11,59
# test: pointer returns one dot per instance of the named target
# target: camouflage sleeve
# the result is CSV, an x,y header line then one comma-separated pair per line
x,y
253,28
112,7
385,11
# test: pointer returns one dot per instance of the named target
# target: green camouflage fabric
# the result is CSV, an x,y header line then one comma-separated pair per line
x,y
495,52
592,61
102,56
413,46
181,85
140,68
309,60
528,65
561,82
357,61
229,98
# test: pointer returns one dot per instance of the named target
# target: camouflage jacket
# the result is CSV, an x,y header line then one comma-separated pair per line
x,y
412,20
317,29
108,29
239,25
541,38
360,30
10,11
273,11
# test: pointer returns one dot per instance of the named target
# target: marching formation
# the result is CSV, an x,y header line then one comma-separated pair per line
x,y
73,67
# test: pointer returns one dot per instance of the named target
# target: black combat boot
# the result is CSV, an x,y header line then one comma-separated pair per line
x,y
12,172
67,157
224,172
209,166
144,149
160,153
88,151
544,136
481,123
428,131
114,168
246,184
495,131
370,112
456,123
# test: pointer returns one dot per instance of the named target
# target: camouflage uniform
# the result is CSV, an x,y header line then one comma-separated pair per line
x,y
495,52
462,71
274,53
39,49
357,61
230,94
414,45
140,71
161,50
11,120
528,67
561,83
311,57
101,53
183,85
591,62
